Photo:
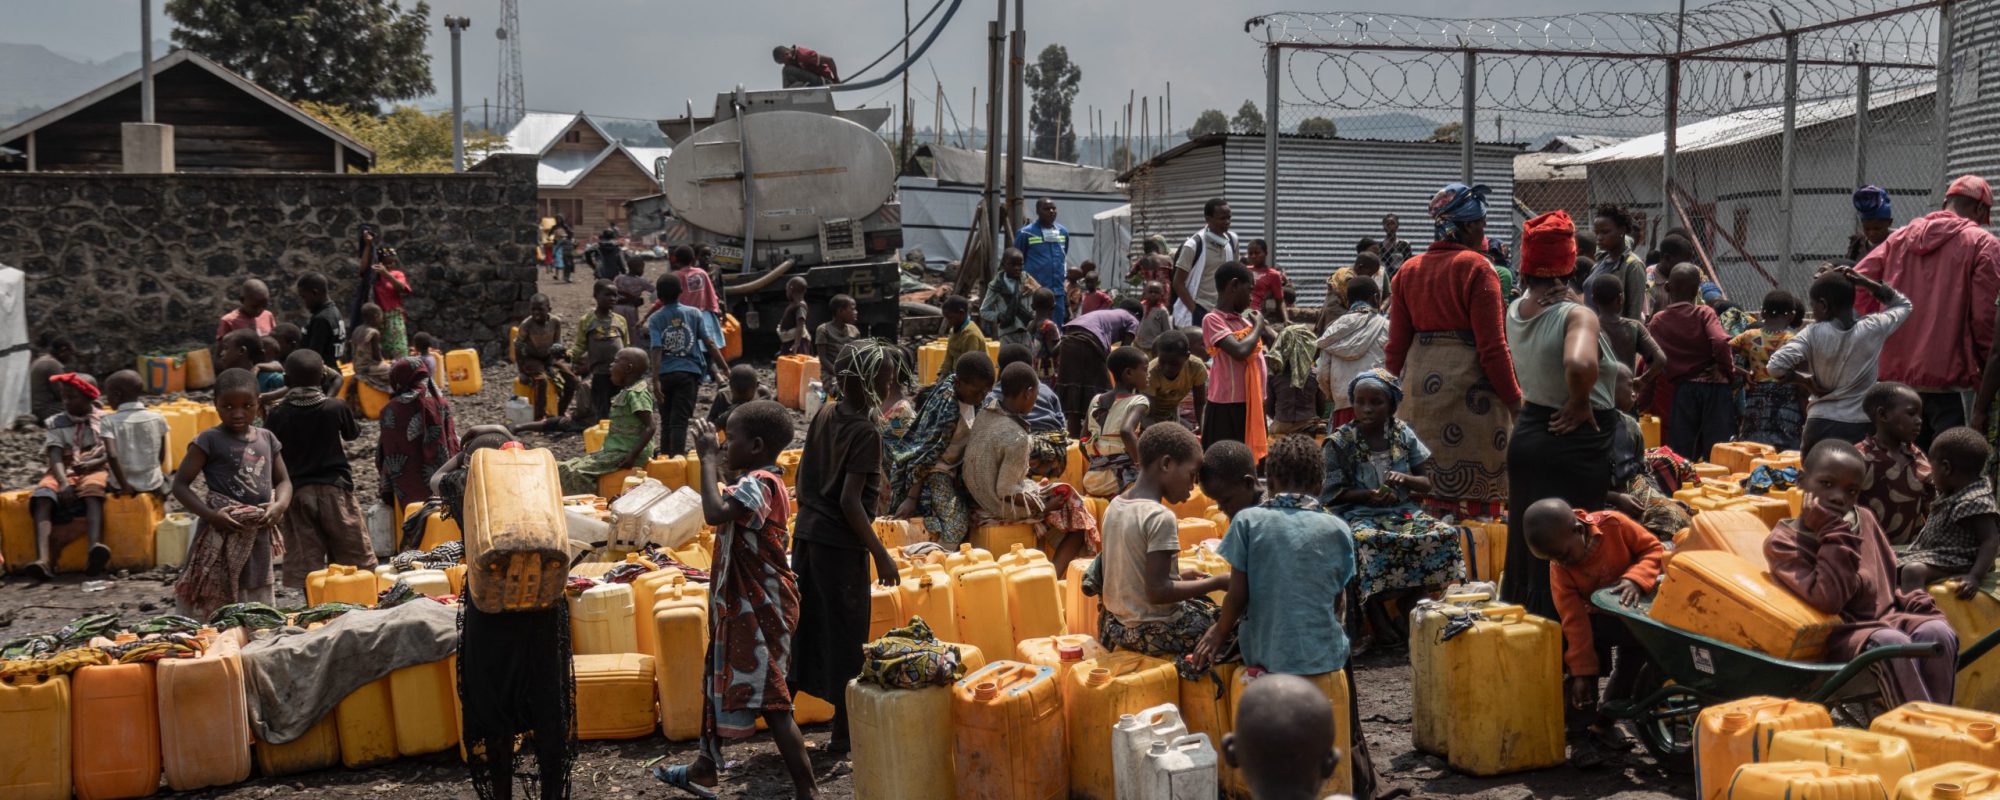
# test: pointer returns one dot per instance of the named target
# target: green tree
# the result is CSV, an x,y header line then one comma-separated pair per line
x,y
1447,132
1248,119
1208,123
353,53
405,139
1053,81
1318,126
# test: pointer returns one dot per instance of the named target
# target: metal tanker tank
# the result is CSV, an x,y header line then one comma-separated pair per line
x,y
817,200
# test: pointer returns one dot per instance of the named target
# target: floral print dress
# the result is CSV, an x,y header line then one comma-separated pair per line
x,y
1396,546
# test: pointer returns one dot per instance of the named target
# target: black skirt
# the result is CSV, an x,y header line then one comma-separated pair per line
x,y
1575,466
833,619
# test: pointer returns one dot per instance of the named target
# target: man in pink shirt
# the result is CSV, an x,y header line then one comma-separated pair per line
x,y
1949,267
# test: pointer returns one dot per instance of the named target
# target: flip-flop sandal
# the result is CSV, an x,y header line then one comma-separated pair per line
x,y
100,555
676,776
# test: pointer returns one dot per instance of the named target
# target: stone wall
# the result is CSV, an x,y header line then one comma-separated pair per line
x,y
130,264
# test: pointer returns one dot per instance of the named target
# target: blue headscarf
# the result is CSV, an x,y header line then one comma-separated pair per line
x,y
1380,377
1872,202
1457,203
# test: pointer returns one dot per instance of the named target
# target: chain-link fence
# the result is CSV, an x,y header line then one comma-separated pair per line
x,y
1748,123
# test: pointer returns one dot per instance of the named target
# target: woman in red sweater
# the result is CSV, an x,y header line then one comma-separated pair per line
x,y
1448,344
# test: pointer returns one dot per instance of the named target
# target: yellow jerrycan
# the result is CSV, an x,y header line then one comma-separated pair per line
x,y
1505,694
1737,532
516,540
1060,652
1940,734
1007,721
1431,712
614,696
1034,598
316,749
35,712
1335,686
645,592
1885,757
1002,537
1080,612
1954,781
426,705
927,593
600,621
680,636
1097,692
340,583
980,592
204,717
1978,684
885,610
902,741
1802,780
1195,530
1722,596
367,722
1206,708
1729,735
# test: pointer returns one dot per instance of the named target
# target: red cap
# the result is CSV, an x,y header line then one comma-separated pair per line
x,y
1971,186
1070,652
511,446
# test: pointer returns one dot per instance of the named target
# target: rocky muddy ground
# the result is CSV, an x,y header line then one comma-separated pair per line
x,y
614,769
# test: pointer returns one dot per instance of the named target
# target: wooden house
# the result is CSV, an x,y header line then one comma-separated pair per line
x,y
222,123
586,174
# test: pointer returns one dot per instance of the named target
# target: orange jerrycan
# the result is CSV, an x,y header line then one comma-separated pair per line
x,y
600,621
614,696
1505,693
788,464
1080,611
1000,538
902,741
1194,531
1940,734
516,541
1729,735
670,471
1802,780
199,365
1431,711
1205,709
1096,692
129,522
367,722
927,593
789,384
1061,652
1954,781
680,636
1978,684
1883,756
1334,685
426,706
1034,598
204,717
35,712
114,731
461,371
1008,724
1737,532
316,749
1722,596
1738,455
1483,543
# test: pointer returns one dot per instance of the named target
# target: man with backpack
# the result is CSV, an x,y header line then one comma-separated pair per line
x,y
1197,260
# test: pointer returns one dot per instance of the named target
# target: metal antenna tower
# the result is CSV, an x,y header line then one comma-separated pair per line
x,y
513,103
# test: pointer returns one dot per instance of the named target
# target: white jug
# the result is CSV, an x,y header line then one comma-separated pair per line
x,y
815,397
1132,735
519,411
1181,769
383,532
650,512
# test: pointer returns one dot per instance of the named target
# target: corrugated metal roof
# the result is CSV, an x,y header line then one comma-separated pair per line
x,y
1742,126
1576,143
1537,167
537,130
1974,143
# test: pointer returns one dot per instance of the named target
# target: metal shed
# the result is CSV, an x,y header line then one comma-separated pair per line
x,y
1333,192
940,191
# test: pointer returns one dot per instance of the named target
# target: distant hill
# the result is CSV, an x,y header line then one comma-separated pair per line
x,y
1398,126
48,79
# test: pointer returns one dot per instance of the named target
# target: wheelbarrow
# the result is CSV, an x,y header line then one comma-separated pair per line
x,y
1688,672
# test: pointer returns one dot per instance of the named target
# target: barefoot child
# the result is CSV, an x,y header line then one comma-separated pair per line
x,y
229,558
629,443
137,436
1237,381
753,602
1897,486
323,524
83,462
1962,534
1115,420
1835,558
1150,606
1587,552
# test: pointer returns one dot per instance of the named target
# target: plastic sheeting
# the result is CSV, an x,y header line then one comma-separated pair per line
x,y
1111,245
14,355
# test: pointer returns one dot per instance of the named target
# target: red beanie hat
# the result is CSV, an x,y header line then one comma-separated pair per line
x,y
1548,246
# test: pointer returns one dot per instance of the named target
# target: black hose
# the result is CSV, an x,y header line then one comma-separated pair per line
x,y
914,55
899,42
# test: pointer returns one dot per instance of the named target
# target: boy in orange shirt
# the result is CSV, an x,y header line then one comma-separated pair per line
x,y
1587,552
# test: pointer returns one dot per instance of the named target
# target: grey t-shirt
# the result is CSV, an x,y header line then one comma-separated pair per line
x,y
1842,362
239,468
1133,528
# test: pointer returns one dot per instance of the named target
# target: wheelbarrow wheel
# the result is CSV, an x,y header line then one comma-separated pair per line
x,y
1666,727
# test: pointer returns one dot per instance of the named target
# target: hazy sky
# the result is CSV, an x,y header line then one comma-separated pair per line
x,y
646,58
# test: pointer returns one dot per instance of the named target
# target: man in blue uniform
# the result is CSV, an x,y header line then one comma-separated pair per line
x,y
1045,245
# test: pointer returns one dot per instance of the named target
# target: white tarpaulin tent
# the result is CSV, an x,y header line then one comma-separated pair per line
x,y
14,355
1110,244
940,187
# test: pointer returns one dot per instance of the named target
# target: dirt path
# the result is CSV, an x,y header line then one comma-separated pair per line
x,y
613,769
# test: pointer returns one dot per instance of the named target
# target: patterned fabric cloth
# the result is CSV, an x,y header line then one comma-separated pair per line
x,y
1397,546
753,607
1735,321
1663,515
395,334
913,455
579,475
910,658
1171,638
1112,469
418,434
1896,488
1945,541
218,563
1772,413
1455,409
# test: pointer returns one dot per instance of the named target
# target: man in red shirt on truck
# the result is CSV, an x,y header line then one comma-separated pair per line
x,y
803,67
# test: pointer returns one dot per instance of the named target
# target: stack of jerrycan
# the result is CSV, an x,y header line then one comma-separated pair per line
x,y
1738,732
1954,781
1481,730
1786,780
1737,456
885,606
1034,600
979,590
1062,653
1338,696
1096,693
1978,683
614,696
653,513
1943,734
425,697
35,713
902,741
366,719
1136,733
204,715
1000,538
1721,596
676,471
516,542
1885,757
1007,725
679,639
926,592
1483,543
115,730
